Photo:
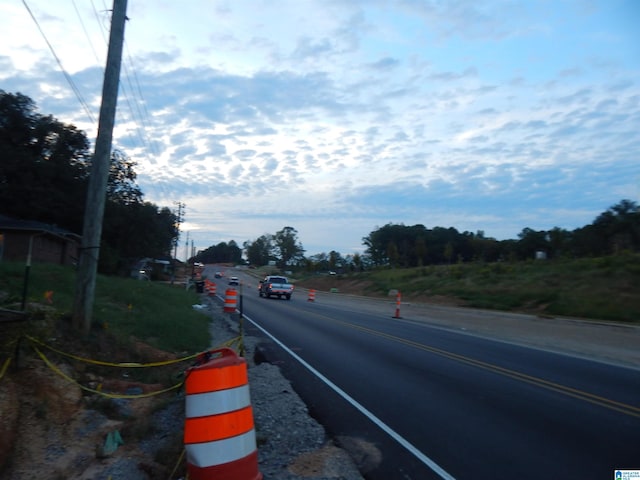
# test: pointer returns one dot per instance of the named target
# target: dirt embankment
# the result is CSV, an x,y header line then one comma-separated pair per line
x,y
51,428
349,286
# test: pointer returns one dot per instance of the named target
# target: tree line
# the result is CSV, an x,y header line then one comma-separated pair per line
x,y
44,174
282,249
615,230
397,245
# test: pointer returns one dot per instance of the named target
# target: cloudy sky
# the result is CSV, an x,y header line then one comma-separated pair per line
x,y
336,117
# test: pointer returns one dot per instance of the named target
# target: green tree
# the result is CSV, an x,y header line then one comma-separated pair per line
x,y
43,165
531,241
223,252
335,260
260,251
620,226
288,246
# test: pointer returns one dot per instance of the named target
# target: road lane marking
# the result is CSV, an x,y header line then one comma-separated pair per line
x,y
620,407
383,426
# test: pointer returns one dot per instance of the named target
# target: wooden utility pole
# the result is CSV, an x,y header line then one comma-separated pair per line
x,y
96,196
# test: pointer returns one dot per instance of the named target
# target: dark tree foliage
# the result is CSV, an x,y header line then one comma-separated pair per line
x,y
619,226
44,172
221,253
43,165
331,262
121,186
284,248
288,247
260,251
397,245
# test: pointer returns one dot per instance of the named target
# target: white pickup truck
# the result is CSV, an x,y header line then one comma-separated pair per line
x,y
274,285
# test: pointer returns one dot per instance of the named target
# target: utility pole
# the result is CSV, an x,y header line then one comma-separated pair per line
x,y
96,196
178,222
174,261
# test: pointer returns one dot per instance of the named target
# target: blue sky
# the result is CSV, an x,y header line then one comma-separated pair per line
x,y
336,117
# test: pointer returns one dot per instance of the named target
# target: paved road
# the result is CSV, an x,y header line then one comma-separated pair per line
x,y
430,402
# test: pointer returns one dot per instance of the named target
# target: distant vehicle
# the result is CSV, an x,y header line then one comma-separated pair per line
x,y
234,281
332,273
218,275
275,286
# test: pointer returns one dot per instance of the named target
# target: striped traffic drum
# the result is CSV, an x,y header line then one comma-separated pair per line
x,y
230,300
219,434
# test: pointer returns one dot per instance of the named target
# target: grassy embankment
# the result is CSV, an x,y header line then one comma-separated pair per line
x,y
158,314
605,288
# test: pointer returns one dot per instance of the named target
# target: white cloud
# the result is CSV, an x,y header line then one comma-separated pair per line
x,y
347,115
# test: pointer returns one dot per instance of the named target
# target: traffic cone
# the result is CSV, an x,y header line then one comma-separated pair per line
x,y
398,301
312,295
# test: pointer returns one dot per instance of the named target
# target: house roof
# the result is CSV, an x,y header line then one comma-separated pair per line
x,y
8,223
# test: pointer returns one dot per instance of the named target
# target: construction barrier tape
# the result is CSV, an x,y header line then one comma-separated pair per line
x,y
92,390
35,342
9,343
178,463
109,364
4,368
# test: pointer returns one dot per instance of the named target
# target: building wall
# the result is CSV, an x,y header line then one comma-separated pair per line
x,y
46,248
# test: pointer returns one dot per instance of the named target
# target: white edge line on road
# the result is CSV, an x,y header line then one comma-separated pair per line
x,y
386,428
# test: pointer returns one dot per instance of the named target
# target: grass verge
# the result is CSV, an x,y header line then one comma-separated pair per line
x,y
157,314
596,288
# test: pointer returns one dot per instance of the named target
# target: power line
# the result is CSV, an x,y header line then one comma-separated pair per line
x,y
130,89
140,117
66,75
86,34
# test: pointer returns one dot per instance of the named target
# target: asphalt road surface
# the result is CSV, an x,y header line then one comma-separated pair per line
x,y
420,401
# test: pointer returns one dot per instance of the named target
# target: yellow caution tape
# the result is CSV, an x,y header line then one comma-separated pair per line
x,y
238,341
110,364
178,463
108,395
9,343
98,390
5,366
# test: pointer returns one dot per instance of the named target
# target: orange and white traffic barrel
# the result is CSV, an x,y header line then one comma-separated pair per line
x,y
211,288
398,302
219,434
230,300
312,295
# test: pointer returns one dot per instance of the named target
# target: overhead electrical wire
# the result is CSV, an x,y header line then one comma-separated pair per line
x,y
86,34
132,93
75,89
129,94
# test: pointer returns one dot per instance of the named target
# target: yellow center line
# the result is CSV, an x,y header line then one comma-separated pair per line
x,y
620,407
